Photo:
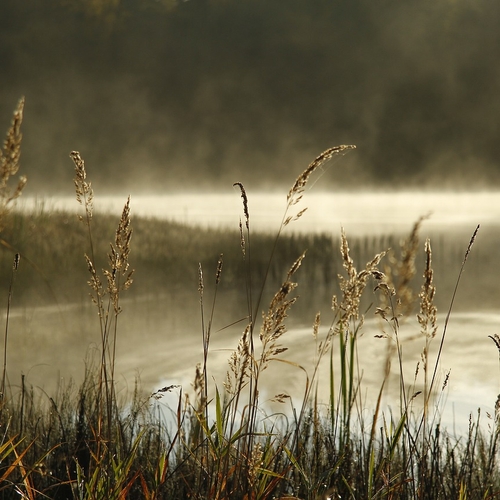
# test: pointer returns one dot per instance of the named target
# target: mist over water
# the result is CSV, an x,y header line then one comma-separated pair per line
x,y
160,334
359,213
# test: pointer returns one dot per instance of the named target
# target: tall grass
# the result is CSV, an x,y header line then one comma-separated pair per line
x,y
9,166
225,440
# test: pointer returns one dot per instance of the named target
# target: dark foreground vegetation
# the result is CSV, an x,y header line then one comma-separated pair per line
x,y
217,441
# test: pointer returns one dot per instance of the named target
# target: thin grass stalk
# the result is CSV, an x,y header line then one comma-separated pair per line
x,y
14,269
246,253
118,279
429,388
403,423
413,439
85,196
343,443
10,156
452,302
107,438
206,334
294,196
203,409
425,317
113,342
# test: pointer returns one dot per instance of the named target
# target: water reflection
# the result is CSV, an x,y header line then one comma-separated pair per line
x,y
162,347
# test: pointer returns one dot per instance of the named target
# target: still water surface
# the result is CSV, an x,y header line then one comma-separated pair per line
x,y
358,213
160,341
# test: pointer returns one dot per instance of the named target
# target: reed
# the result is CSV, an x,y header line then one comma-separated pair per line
x,y
225,440
10,156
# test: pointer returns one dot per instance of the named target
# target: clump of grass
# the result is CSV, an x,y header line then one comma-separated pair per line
x,y
106,291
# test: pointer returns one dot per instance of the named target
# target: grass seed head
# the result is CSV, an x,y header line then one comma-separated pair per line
x,y
239,363
9,163
295,193
471,242
218,272
245,203
354,284
255,464
317,321
427,317
83,189
200,279
11,153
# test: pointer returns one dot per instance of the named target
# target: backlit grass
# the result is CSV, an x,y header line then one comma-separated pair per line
x,y
221,439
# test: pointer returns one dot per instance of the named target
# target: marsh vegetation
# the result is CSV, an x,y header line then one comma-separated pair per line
x,y
229,438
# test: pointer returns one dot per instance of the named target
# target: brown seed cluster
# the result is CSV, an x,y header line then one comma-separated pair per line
x,y
295,193
427,317
354,284
9,162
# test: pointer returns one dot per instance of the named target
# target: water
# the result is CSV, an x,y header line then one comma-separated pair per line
x,y
162,349
358,213
160,342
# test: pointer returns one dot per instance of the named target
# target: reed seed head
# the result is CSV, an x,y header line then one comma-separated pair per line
x,y
239,364
245,203
354,284
9,162
471,242
295,193
273,326
242,240
118,277
83,189
317,322
218,272
199,386
255,464
11,153
427,318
